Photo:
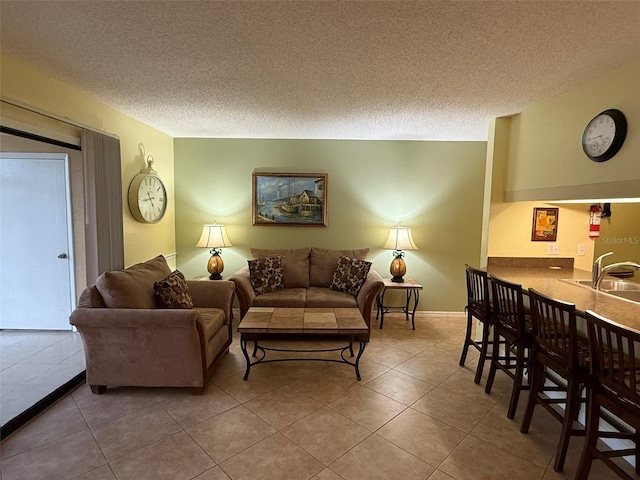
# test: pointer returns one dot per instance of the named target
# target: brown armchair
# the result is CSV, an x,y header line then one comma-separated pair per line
x,y
144,345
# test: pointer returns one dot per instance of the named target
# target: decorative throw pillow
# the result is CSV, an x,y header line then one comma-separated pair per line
x,y
173,291
350,275
323,263
295,265
266,274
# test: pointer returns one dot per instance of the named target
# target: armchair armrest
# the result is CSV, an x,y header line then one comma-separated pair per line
x,y
133,318
213,294
244,289
368,293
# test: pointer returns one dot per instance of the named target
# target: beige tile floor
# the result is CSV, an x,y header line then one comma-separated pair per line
x,y
33,364
415,415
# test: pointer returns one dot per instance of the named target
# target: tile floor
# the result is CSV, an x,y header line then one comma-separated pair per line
x,y
415,415
33,364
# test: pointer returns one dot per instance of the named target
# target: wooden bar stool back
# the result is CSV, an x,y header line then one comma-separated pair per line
x,y
616,389
478,307
512,330
561,357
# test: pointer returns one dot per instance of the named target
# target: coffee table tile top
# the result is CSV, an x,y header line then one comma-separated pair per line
x,y
286,324
303,320
320,321
349,322
256,321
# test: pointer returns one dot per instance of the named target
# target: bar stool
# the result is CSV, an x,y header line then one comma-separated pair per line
x,y
478,307
559,355
616,388
513,325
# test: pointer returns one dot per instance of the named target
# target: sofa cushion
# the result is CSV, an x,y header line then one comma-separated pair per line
x,y
320,297
323,263
212,320
173,291
266,274
350,275
288,297
295,263
133,286
91,298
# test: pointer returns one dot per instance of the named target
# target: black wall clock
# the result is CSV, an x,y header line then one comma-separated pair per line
x,y
604,135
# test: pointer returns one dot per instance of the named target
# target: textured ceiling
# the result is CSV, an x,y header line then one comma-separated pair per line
x,y
432,70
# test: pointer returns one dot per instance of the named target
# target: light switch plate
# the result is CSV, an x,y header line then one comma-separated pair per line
x,y
581,250
552,249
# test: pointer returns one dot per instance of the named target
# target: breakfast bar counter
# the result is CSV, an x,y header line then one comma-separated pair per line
x,y
551,282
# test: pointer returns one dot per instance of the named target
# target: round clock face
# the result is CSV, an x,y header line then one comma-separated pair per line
x,y
604,135
147,198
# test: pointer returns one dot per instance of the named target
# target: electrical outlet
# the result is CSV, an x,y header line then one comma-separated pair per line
x,y
581,250
552,249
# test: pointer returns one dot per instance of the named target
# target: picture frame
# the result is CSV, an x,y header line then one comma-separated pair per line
x,y
289,199
545,224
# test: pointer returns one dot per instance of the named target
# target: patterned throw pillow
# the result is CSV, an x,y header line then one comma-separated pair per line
x,y
173,291
350,275
266,274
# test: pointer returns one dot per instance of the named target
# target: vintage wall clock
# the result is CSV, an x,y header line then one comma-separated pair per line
x,y
147,195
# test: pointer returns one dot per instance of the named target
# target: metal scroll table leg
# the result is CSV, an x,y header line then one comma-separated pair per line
x,y
381,297
243,347
357,363
416,296
406,305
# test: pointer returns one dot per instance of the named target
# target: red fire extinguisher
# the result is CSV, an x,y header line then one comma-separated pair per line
x,y
595,213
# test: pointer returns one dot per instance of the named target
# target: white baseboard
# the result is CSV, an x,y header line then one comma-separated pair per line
x,y
431,313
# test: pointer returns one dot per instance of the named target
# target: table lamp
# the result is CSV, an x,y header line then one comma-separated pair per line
x,y
399,239
214,236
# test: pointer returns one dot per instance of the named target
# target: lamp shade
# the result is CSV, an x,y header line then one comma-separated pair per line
x,y
213,236
400,239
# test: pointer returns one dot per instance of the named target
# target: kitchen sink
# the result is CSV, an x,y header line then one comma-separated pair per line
x,y
618,288
633,295
611,285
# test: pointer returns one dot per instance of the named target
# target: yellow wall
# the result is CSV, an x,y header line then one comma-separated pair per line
x,y
510,232
546,161
435,188
141,242
537,156
510,223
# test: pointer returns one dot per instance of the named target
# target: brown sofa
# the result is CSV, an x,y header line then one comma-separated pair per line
x,y
306,279
130,341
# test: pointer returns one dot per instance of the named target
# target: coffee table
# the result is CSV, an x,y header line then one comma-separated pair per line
x,y
262,323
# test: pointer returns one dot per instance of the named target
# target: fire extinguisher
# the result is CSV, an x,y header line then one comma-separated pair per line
x,y
595,213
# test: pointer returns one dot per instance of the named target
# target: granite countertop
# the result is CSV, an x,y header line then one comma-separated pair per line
x,y
549,282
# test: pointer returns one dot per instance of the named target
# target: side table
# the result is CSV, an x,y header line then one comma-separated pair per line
x,y
412,289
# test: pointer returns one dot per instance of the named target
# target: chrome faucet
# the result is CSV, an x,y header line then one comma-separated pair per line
x,y
596,271
606,269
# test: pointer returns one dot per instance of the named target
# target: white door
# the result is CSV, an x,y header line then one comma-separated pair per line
x,y
36,278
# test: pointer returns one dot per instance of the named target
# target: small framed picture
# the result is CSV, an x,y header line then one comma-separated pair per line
x,y
298,199
545,225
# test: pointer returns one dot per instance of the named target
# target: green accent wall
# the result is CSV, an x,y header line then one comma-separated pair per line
x,y
436,188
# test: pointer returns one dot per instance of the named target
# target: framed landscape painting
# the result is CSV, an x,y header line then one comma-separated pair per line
x,y
545,225
289,199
